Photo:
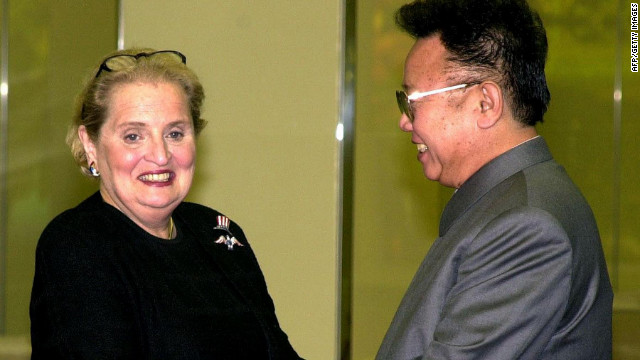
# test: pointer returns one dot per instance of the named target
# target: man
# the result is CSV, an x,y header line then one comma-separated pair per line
x,y
518,270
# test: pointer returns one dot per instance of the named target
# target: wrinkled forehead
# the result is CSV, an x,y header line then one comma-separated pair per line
x,y
160,88
426,63
147,99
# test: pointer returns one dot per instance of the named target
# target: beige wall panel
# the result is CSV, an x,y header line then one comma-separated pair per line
x,y
269,157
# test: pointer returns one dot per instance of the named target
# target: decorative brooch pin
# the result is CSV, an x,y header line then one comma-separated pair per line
x,y
228,239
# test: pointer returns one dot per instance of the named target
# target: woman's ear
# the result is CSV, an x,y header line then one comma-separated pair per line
x,y
87,143
491,104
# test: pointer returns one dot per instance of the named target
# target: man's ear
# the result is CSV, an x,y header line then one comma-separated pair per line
x,y
491,104
87,143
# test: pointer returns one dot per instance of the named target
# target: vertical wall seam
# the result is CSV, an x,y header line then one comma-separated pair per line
x,y
4,129
345,210
120,22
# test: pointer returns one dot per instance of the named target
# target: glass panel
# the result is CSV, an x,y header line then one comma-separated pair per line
x,y
397,211
626,323
52,45
629,266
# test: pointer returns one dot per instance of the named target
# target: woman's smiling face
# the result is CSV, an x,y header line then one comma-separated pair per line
x,y
145,151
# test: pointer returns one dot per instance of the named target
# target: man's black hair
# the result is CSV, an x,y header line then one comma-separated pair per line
x,y
502,40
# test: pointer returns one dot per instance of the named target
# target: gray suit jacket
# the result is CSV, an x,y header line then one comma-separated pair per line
x,y
517,272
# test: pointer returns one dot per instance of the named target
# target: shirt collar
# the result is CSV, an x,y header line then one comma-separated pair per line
x,y
528,153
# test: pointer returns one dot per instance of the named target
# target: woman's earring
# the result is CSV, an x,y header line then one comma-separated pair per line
x,y
93,170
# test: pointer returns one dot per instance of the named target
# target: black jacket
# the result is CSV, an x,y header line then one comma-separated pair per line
x,y
106,289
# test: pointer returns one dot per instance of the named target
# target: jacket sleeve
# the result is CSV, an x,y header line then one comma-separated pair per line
x,y
511,292
78,308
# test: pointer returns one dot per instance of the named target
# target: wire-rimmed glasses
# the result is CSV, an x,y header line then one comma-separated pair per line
x,y
404,100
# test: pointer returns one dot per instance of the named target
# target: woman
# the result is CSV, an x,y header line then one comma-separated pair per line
x,y
133,271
